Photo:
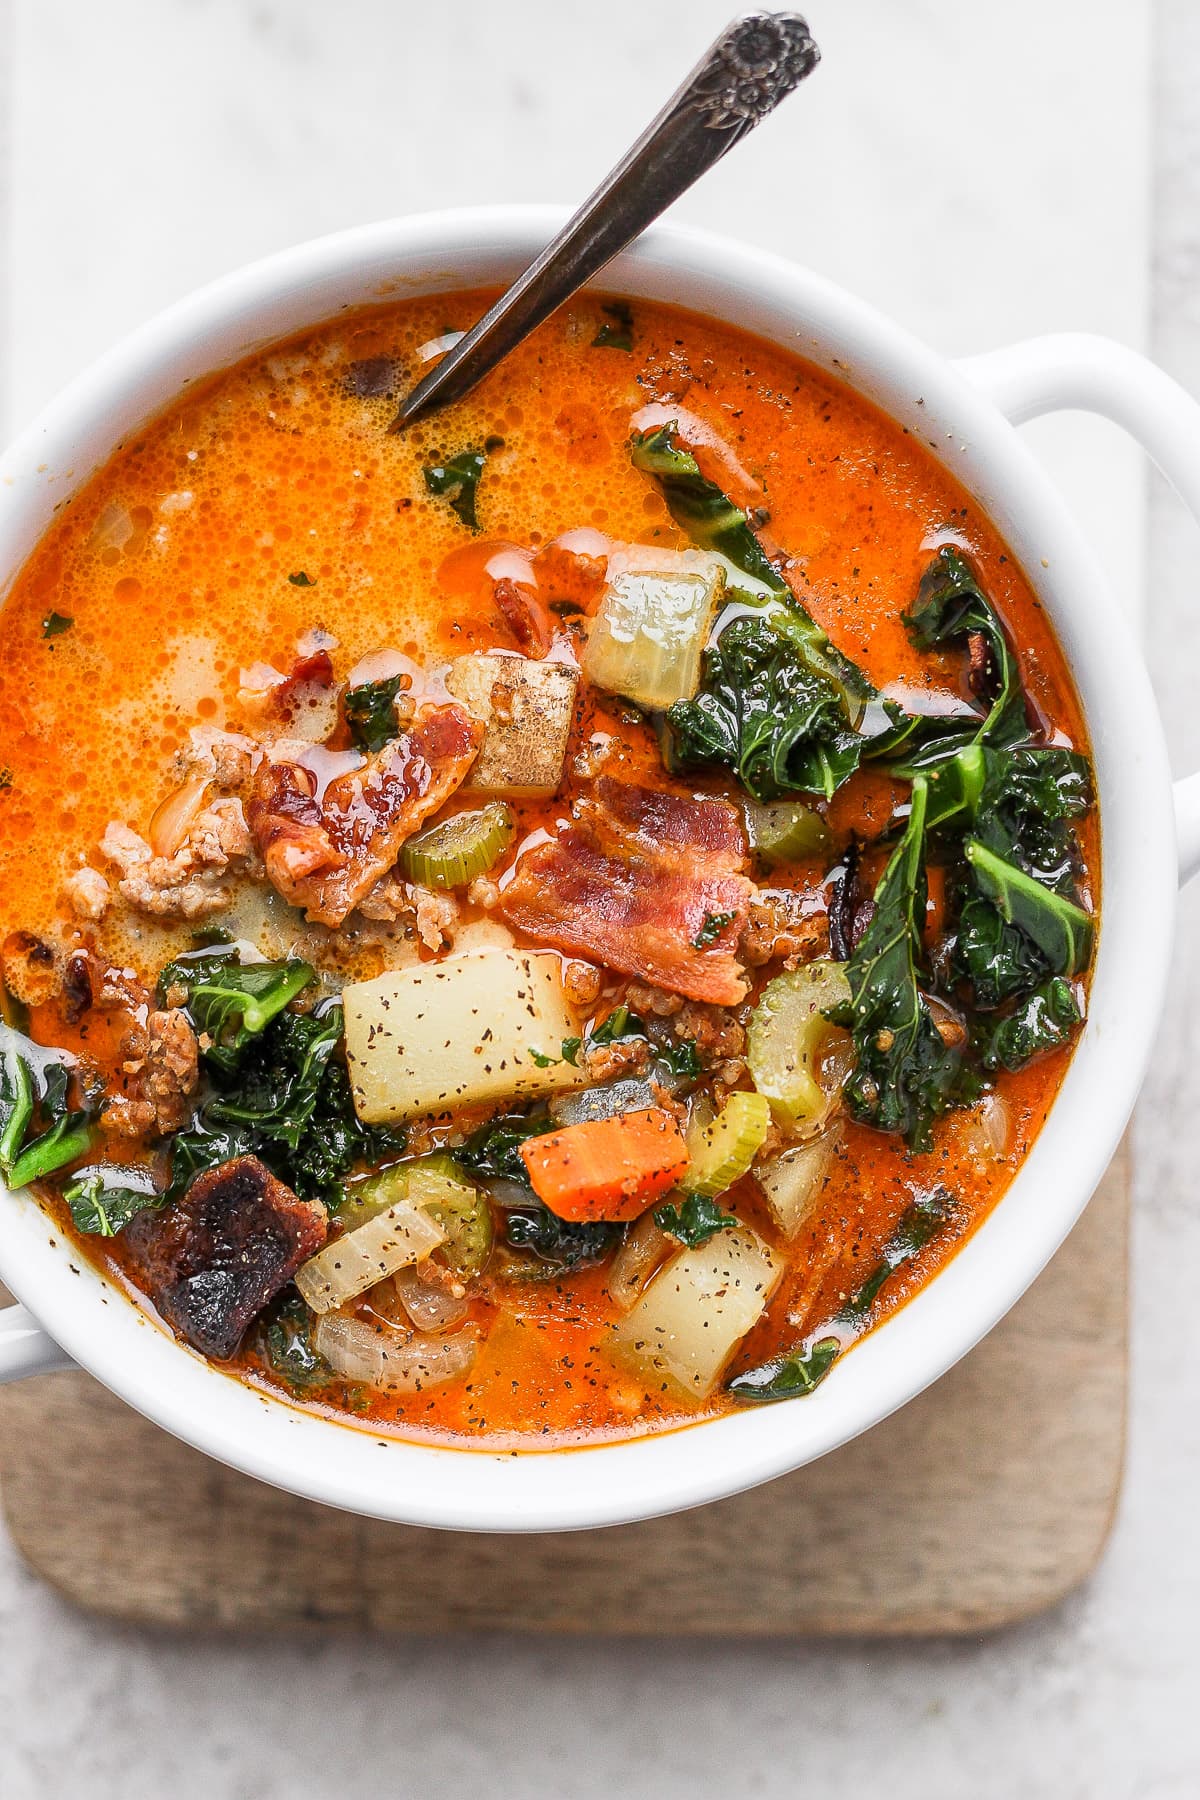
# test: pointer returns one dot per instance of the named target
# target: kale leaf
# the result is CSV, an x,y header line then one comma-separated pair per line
x,y
457,480
495,1149
952,609
1020,918
1041,1020
699,507
370,713
39,1130
766,713
905,1073
104,1197
288,1102
917,1226
788,1377
616,333
698,1219
285,1336
681,1060
229,1001
555,1246
559,1245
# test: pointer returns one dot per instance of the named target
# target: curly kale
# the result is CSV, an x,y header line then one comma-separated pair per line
x,y
286,1100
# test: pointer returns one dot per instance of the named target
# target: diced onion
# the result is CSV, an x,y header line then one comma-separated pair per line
x,y
175,816
644,1248
607,1101
358,1259
787,1041
429,1304
398,1362
721,1153
792,1181
454,852
694,1313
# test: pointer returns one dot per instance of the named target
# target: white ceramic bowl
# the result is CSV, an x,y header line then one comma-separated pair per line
x,y
961,413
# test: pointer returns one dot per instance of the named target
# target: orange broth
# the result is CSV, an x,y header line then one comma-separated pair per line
x,y
177,564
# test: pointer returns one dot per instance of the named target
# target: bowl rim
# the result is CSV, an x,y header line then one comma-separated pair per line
x,y
477,1488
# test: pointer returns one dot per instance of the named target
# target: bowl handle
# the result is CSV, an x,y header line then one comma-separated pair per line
x,y
1076,371
25,1349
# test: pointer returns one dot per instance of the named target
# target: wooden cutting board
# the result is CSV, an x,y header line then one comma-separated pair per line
x,y
987,1499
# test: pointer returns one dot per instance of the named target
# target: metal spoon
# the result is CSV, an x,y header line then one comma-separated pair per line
x,y
752,66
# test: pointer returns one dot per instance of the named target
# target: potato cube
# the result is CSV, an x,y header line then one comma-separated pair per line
x,y
693,1315
438,1036
527,708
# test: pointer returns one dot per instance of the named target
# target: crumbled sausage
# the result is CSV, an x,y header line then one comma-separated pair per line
x,y
436,916
189,884
581,984
484,893
214,1259
171,1071
716,1033
775,928
645,1000
628,1056
87,894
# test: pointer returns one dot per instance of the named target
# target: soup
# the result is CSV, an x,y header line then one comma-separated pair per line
x,y
548,925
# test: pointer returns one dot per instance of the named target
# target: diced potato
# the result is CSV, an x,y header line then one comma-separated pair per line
x,y
358,1259
526,708
650,630
441,1035
793,1180
693,1315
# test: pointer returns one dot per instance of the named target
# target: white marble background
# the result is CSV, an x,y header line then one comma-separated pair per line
x,y
982,172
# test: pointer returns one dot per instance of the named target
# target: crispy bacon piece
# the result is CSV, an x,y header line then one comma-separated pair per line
x,y
525,615
325,849
647,882
215,1258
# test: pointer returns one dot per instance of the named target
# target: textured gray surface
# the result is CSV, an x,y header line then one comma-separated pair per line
x,y
1096,1701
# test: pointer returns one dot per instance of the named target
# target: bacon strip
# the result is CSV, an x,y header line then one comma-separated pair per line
x,y
634,880
325,849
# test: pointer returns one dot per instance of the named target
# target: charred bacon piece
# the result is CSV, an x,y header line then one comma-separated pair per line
x,y
325,849
214,1259
850,910
648,882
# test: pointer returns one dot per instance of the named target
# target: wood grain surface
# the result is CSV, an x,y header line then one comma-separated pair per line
x,y
987,1499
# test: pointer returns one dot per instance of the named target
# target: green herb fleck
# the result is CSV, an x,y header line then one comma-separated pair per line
x,y
371,713
302,578
617,331
55,623
714,924
698,1219
457,481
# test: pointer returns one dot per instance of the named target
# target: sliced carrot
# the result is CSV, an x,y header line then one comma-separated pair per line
x,y
607,1168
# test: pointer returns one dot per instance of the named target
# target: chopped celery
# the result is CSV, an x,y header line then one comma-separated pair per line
x,y
454,852
783,831
434,1185
649,633
788,1033
721,1153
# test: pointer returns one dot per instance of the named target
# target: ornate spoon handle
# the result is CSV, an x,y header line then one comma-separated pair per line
x,y
755,62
